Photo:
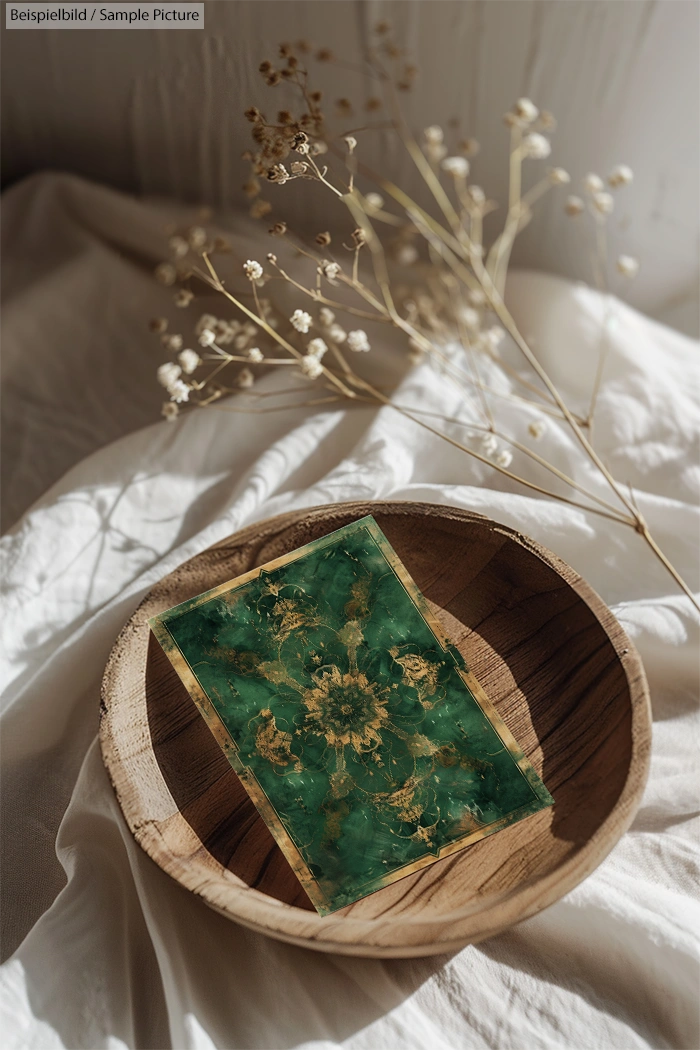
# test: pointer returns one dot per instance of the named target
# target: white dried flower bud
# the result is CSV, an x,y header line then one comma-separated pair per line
x,y
190,360
337,333
301,321
226,331
477,195
179,391
559,177
493,337
253,270
621,175
255,355
593,183
170,411
435,151
489,444
358,341
168,374
433,134
197,237
351,143
504,458
458,167
627,265
536,146
183,297
374,201
173,343
311,366
469,317
207,337
537,428
179,248
574,206
318,149
603,203
526,110
165,273
329,270
205,321
245,379
406,255
326,316
317,348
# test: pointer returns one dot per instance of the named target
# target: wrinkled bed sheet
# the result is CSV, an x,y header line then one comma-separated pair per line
x,y
107,950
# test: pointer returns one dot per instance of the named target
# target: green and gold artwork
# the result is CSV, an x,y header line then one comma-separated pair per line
x,y
353,723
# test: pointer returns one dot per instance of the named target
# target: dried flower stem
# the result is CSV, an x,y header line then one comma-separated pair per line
x,y
462,274
215,282
601,278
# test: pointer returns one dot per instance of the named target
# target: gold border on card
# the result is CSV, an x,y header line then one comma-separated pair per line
x,y
158,624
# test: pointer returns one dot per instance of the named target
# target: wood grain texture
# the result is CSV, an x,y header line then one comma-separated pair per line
x,y
551,657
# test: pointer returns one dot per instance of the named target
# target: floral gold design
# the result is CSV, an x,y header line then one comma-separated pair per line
x,y
348,717
273,743
347,709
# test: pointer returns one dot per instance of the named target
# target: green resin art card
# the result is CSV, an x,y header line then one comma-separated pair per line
x,y
367,746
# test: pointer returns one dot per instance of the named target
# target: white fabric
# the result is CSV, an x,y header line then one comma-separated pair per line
x,y
111,952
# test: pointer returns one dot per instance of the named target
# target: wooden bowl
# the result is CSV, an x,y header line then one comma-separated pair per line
x,y
550,655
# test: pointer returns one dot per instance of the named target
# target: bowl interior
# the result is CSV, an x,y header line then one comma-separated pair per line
x,y
541,654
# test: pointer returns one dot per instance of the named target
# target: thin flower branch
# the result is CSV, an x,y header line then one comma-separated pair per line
x,y
432,279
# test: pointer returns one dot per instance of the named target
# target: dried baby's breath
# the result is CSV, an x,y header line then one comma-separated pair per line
x,y
574,206
621,175
189,361
627,265
253,270
451,276
301,321
358,341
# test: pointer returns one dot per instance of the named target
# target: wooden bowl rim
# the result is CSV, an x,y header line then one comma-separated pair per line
x,y
261,912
